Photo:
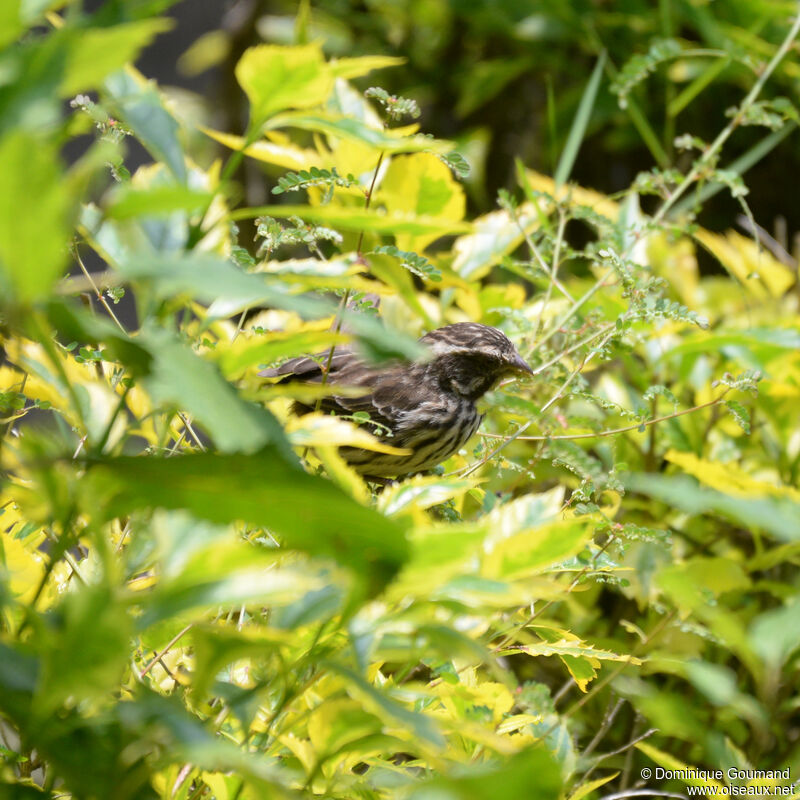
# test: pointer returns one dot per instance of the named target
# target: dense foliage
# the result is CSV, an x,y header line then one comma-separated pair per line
x,y
198,598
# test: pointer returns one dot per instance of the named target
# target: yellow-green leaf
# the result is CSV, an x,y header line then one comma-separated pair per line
x,y
588,788
670,762
535,549
34,214
281,154
422,185
356,67
355,130
357,219
275,78
265,349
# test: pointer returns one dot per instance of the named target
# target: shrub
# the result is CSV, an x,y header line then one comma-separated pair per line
x,y
603,583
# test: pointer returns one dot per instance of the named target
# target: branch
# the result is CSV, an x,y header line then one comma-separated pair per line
x,y
635,427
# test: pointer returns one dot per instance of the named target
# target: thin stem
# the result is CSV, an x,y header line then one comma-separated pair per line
x,y
631,743
571,377
549,271
714,148
635,427
625,748
577,346
113,418
97,291
368,199
191,430
239,326
166,649
574,308
604,727
622,667
346,298
509,636
710,153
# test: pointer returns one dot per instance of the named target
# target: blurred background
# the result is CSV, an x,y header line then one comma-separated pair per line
x,y
503,78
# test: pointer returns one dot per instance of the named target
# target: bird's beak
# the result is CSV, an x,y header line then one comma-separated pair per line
x,y
518,364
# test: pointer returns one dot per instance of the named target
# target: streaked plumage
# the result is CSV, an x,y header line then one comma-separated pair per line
x,y
429,406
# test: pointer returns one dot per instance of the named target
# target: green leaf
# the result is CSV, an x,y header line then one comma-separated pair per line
x,y
348,68
388,709
34,216
229,576
778,516
531,774
775,634
739,413
216,646
353,130
421,492
97,52
266,349
128,202
139,106
311,514
340,722
179,377
357,219
86,649
210,279
275,77
230,290
640,66
495,235
579,124
10,22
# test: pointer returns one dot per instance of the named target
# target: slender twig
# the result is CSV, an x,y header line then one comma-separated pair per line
x,y
549,271
368,199
113,418
572,348
80,446
166,649
699,166
509,635
711,151
663,622
343,305
564,386
191,430
239,326
573,309
97,291
646,735
67,556
123,534
564,690
609,718
637,426
601,684
625,748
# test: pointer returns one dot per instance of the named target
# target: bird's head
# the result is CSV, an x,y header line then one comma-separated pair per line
x,y
471,357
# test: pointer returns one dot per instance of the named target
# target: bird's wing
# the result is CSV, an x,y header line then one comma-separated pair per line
x,y
308,369
395,401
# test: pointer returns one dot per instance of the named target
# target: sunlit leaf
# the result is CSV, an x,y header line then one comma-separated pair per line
x,y
34,216
276,77
140,107
308,512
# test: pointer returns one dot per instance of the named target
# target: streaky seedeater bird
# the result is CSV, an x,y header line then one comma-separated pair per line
x,y
428,406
